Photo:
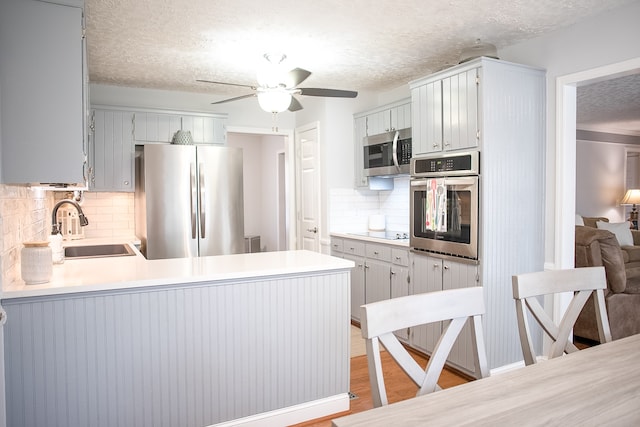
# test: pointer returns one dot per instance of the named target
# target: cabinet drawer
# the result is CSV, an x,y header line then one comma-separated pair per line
x,y
337,245
383,253
400,257
353,247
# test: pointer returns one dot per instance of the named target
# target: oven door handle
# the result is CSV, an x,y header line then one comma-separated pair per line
x,y
395,150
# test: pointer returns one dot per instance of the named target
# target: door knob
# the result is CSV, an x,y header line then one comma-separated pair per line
x,y
312,230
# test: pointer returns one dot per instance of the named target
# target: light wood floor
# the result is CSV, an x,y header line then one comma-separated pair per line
x,y
399,386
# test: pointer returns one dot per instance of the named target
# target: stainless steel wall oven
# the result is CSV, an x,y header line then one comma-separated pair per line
x,y
444,204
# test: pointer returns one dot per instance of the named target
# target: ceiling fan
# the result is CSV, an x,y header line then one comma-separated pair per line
x,y
276,87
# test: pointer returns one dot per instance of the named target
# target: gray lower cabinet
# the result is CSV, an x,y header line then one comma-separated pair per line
x,y
400,282
111,150
42,82
431,274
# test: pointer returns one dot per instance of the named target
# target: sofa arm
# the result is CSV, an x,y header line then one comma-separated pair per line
x,y
596,247
636,237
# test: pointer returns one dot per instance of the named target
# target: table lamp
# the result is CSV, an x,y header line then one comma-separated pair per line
x,y
632,197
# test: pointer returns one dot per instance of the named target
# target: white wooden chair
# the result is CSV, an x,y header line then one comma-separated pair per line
x,y
527,288
380,319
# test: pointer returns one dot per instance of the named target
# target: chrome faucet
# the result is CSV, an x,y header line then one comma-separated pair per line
x,y
54,220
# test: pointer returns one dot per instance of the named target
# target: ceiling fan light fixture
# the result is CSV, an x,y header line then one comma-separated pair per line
x,y
274,101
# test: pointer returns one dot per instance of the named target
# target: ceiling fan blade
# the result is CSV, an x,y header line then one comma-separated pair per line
x,y
297,76
224,83
295,105
334,93
234,99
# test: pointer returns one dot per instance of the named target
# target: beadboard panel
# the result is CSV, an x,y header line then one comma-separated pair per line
x,y
189,356
511,196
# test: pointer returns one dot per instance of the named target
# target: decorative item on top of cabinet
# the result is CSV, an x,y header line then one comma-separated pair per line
x,y
43,90
111,150
445,112
161,126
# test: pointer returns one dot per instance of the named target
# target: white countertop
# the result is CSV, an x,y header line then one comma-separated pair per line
x,y
123,272
403,243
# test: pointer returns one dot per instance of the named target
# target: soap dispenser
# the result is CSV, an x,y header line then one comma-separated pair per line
x,y
55,241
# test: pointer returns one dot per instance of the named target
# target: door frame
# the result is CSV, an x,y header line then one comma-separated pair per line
x,y
290,174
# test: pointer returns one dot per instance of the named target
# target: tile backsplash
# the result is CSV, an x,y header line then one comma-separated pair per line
x,y
24,216
109,214
349,209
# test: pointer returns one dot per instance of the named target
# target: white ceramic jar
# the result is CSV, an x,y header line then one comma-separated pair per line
x,y
36,263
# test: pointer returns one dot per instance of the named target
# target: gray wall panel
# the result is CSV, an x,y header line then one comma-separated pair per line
x,y
187,356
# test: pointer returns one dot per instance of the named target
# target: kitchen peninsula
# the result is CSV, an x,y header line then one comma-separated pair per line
x,y
189,342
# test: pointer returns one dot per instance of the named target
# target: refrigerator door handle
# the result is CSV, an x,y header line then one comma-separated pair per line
x,y
194,200
201,202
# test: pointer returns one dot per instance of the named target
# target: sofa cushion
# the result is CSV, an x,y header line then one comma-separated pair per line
x,y
633,253
620,229
613,264
590,221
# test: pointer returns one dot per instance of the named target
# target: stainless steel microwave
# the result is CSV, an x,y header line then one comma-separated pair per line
x,y
388,153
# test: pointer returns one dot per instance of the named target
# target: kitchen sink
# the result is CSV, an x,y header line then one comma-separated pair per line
x,y
98,251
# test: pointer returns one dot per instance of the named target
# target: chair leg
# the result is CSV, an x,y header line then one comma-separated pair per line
x,y
374,363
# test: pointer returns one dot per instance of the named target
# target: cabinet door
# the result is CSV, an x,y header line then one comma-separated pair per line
x,y
426,110
460,110
359,132
204,129
112,150
400,280
378,123
426,277
357,285
377,281
156,127
461,275
400,117
42,86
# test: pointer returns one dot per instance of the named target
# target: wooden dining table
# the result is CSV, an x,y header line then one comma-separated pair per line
x,y
596,386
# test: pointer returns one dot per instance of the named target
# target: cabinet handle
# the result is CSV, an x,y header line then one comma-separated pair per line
x,y
446,267
446,144
397,258
126,183
436,145
436,265
366,266
393,273
375,252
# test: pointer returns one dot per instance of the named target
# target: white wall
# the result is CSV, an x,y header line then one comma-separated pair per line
x,y
600,179
609,38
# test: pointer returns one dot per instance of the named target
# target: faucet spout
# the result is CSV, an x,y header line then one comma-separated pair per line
x,y
54,214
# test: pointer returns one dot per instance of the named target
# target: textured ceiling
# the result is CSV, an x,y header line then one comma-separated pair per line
x,y
347,44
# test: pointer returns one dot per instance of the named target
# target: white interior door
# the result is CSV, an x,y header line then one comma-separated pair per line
x,y
309,185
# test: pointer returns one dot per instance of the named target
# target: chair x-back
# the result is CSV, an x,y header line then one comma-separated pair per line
x,y
380,319
583,282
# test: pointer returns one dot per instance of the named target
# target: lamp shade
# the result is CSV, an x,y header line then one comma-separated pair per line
x,y
631,197
274,100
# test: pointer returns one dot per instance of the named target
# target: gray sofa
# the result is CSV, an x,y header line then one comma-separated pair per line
x,y
595,247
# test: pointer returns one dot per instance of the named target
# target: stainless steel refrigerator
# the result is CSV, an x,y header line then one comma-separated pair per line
x,y
189,200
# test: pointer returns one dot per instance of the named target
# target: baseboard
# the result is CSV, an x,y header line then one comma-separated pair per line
x,y
294,414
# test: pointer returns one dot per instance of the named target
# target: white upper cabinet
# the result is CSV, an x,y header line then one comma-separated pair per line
x,y
445,112
111,150
389,119
156,127
160,127
42,92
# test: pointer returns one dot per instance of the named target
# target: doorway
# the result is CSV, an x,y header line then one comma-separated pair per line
x,y
268,199
565,187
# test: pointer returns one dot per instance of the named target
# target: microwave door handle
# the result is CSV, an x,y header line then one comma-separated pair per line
x,y
395,150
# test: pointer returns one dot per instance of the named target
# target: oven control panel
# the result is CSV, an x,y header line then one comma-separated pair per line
x,y
460,164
